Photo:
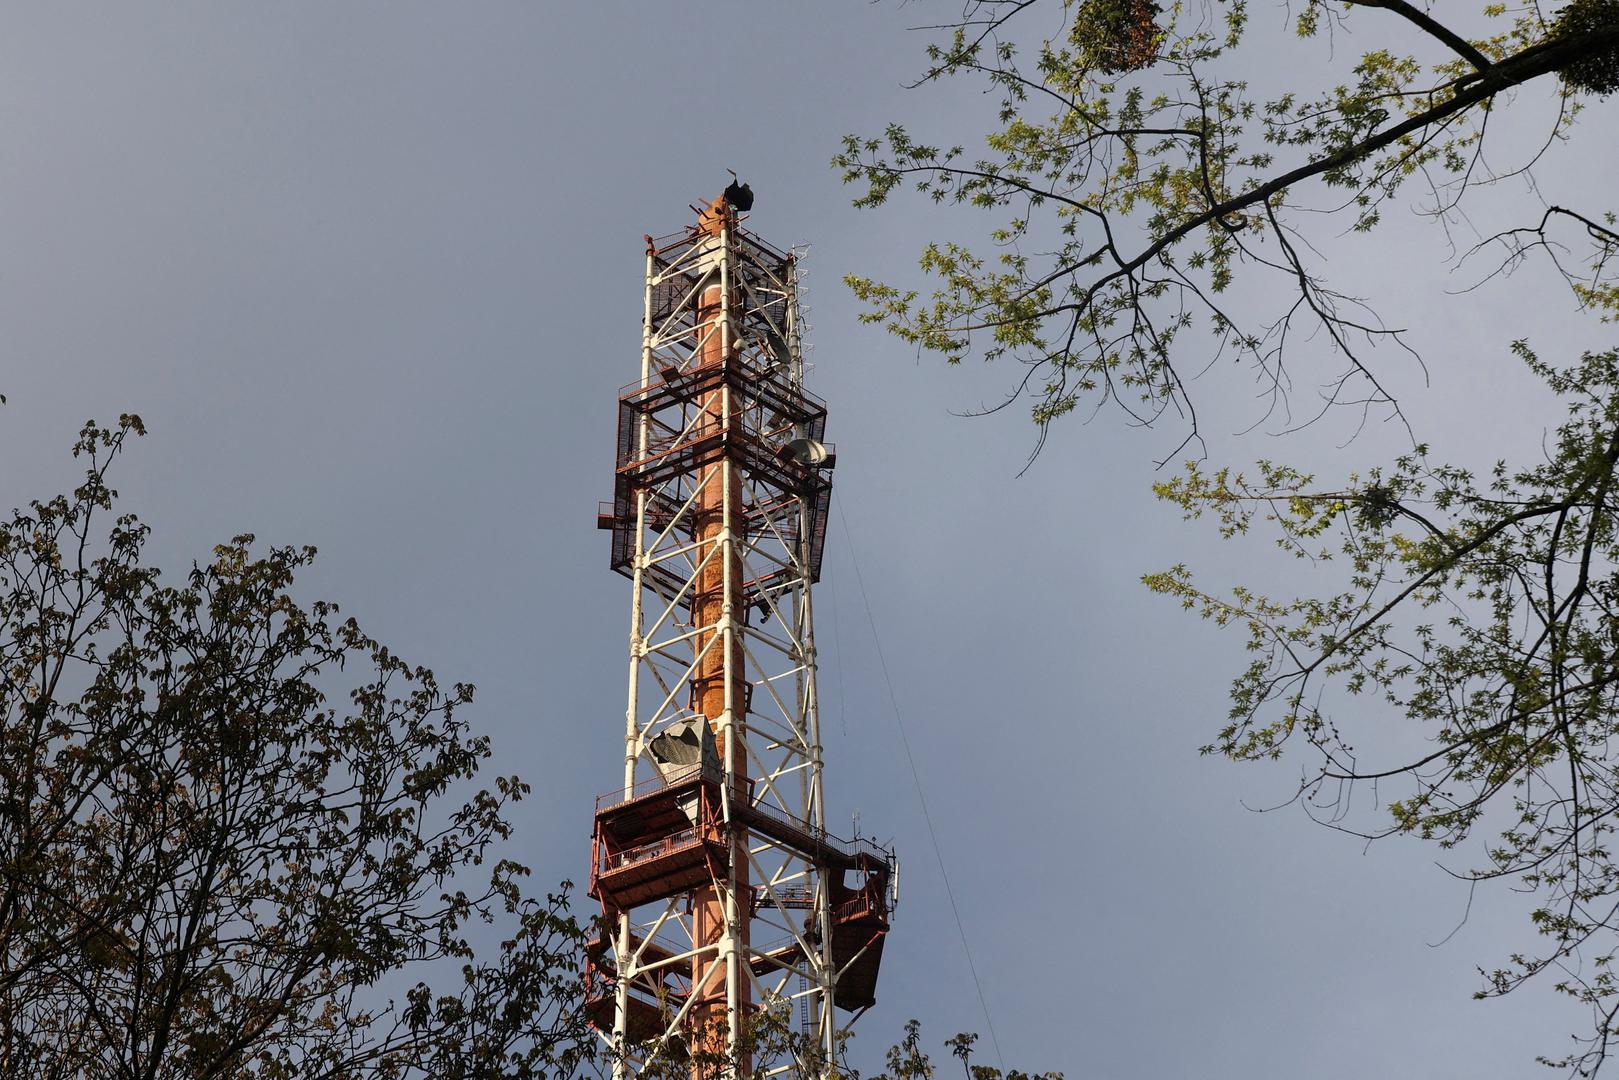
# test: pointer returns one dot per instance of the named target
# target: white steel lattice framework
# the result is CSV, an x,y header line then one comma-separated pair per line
x,y
726,893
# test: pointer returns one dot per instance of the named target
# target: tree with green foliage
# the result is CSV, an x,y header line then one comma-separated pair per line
x,y
238,836
1151,213
1136,181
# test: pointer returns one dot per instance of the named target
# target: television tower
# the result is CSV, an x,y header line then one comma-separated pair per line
x,y
729,903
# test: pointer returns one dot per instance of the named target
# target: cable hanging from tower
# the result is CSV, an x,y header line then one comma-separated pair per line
x,y
916,779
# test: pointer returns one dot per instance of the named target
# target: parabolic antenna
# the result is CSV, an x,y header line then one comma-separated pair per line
x,y
683,748
808,452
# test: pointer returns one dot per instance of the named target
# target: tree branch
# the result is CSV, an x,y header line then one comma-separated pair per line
x,y
1458,44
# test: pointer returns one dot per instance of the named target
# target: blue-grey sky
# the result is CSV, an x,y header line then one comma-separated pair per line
x,y
371,273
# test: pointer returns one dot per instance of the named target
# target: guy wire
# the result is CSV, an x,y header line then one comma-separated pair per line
x,y
916,778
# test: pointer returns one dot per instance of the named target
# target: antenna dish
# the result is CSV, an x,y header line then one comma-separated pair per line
x,y
683,749
810,453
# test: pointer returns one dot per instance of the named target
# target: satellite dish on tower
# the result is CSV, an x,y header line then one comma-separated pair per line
x,y
683,749
810,453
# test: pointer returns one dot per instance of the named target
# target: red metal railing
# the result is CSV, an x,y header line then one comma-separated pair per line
x,y
864,904
618,860
849,848
651,786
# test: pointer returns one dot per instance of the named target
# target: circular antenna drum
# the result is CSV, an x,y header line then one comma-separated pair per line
x,y
806,452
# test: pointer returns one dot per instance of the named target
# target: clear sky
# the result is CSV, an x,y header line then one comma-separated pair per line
x,y
371,273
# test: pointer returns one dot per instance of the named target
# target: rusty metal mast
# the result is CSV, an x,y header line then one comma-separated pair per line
x,y
729,901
